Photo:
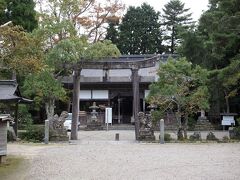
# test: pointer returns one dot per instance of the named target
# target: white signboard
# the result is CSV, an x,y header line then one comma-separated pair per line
x,y
228,121
108,116
146,93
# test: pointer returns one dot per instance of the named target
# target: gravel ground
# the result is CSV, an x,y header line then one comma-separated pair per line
x,y
97,156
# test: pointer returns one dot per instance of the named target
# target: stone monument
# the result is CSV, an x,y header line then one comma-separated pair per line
x,y
146,132
93,123
203,123
57,130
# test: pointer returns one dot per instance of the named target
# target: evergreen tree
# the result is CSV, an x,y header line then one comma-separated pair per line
x,y
192,47
215,45
181,88
140,31
3,5
176,18
219,28
20,12
112,33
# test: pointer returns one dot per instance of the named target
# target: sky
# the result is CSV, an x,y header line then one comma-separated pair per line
x,y
196,6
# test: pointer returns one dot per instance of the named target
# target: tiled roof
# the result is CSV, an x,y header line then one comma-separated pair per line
x,y
10,92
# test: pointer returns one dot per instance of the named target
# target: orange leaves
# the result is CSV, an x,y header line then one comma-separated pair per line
x,y
96,18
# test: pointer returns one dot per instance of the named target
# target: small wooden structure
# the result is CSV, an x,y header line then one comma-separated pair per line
x,y
10,94
4,119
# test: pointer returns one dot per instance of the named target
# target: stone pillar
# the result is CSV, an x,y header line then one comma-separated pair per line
x,y
162,131
46,138
203,114
136,100
75,104
202,117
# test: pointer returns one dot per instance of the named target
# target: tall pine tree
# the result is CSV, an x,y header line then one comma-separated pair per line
x,y
140,31
176,18
112,33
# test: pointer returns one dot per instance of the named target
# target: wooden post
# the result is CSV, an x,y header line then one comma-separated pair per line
x,y
3,141
15,127
136,101
75,104
117,137
119,110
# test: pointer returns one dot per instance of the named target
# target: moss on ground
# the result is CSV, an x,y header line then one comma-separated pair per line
x,y
14,167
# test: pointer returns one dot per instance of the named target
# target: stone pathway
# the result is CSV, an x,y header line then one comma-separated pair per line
x,y
97,156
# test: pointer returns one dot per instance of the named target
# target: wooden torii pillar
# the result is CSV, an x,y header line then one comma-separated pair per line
x,y
136,99
75,104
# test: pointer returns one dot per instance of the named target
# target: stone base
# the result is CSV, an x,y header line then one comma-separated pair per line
x,y
58,136
203,125
94,126
145,135
12,135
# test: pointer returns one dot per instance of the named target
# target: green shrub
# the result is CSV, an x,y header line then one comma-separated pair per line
x,y
238,121
195,137
167,137
24,117
191,123
157,115
34,134
235,133
211,136
22,134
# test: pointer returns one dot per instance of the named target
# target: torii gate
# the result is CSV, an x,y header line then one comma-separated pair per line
x,y
144,61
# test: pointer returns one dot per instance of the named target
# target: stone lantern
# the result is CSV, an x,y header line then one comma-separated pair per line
x,y
94,123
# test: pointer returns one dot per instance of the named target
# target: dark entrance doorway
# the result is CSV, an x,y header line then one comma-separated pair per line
x,y
126,109
122,109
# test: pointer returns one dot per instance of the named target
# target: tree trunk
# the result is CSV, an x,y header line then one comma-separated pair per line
x,y
172,40
178,116
49,107
179,121
15,127
75,104
227,102
185,126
